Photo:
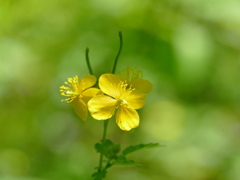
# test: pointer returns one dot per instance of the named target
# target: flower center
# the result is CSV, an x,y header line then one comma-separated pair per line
x,y
124,91
71,91
123,101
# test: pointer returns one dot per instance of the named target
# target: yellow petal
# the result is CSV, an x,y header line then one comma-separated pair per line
x,y
109,84
142,85
80,108
135,99
86,82
89,93
127,118
102,107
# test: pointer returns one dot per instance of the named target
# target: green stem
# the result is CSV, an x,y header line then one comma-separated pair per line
x,y
88,62
103,143
119,52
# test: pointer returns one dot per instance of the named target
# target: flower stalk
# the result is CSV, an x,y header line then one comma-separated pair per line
x,y
88,62
119,52
105,125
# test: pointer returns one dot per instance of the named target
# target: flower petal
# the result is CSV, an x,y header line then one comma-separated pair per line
x,y
142,85
86,82
102,107
89,93
80,108
127,118
109,84
135,99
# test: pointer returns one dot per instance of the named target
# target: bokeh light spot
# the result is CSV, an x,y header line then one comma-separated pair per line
x,y
13,162
164,120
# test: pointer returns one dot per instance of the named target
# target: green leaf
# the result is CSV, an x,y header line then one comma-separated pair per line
x,y
98,147
122,160
108,148
99,175
132,149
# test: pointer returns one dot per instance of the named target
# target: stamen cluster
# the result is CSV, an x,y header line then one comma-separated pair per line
x,y
71,91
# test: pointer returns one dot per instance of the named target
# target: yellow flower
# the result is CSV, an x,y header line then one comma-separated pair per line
x,y
79,93
120,95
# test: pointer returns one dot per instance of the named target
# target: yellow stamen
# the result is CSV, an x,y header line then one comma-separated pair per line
x,y
71,91
125,90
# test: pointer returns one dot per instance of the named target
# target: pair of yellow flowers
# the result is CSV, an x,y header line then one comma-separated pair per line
x,y
123,94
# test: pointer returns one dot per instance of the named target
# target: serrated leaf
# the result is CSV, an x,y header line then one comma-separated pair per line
x,y
108,149
99,175
107,143
98,147
121,160
132,149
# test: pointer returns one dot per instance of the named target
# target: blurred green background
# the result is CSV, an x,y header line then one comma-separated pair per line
x,y
189,50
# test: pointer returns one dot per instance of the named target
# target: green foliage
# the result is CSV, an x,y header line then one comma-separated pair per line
x,y
122,160
99,175
132,149
108,148
114,156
